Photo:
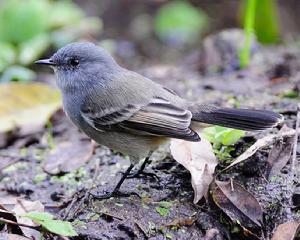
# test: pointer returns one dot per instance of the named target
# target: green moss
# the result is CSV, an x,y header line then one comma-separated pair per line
x,y
164,212
40,178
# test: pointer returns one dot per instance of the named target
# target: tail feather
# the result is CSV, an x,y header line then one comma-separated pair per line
x,y
244,119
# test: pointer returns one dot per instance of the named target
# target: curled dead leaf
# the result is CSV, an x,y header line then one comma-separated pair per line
x,y
263,142
198,158
239,205
279,156
68,156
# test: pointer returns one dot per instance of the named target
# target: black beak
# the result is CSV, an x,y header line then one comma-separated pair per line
x,y
45,62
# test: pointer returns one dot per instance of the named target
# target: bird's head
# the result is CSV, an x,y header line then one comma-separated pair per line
x,y
81,64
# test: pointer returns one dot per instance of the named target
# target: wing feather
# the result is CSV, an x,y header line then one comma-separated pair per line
x,y
159,117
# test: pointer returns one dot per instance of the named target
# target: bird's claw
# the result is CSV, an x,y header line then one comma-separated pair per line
x,y
139,174
111,194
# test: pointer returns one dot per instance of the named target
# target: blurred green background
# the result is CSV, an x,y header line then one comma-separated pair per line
x,y
135,32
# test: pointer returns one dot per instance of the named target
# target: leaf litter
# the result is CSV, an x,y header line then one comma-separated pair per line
x,y
238,204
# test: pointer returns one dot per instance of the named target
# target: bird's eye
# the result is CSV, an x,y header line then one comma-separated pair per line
x,y
74,62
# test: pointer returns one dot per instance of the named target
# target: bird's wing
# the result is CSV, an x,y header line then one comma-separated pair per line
x,y
158,117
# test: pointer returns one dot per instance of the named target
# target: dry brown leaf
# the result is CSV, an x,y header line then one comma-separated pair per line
x,y
68,156
8,201
199,159
24,206
238,204
26,105
286,231
279,156
263,142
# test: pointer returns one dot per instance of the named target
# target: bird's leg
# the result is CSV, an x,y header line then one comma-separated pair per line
x,y
141,171
115,191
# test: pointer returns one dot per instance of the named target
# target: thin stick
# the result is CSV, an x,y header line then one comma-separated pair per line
x,y
293,175
293,164
38,228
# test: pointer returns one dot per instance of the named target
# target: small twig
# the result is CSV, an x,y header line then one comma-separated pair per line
x,y
293,175
77,196
231,185
293,163
11,163
14,160
141,229
22,205
112,216
38,228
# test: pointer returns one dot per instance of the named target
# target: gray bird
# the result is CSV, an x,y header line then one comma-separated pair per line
x,y
130,113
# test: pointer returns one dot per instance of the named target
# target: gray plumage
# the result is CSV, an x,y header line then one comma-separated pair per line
x,y
130,113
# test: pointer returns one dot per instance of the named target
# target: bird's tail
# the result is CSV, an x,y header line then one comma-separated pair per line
x,y
244,119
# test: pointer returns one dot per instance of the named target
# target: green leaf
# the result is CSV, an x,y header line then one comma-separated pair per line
x,y
266,26
209,134
232,136
38,216
222,135
290,94
179,22
55,226
59,227
244,54
22,20
223,140
164,212
64,13
28,54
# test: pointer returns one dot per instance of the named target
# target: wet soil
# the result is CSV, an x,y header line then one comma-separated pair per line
x,y
163,208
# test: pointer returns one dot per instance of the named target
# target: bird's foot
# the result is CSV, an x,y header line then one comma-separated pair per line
x,y
139,174
114,193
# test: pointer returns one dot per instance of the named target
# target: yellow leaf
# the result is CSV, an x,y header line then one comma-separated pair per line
x,y
26,105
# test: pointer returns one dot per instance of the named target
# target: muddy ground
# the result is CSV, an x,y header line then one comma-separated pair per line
x,y
271,82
